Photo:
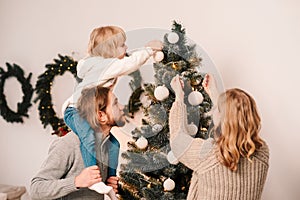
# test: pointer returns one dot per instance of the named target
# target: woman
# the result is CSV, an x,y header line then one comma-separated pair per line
x,y
234,163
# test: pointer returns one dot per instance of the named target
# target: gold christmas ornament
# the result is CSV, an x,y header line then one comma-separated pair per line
x,y
175,66
195,81
203,129
194,61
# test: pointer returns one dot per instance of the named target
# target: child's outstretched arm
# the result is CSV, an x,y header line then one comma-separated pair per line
x,y
131,63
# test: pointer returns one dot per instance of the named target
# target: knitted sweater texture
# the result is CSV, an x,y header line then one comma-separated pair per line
x,y
56,177
211,180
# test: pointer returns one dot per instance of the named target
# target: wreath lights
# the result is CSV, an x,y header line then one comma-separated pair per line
x,y
43,90
8,114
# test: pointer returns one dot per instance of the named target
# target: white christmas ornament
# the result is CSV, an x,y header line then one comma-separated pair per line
x,y
172,159
173,37
157,128
169,184
161,93
195,98
192,129
142,143
158,56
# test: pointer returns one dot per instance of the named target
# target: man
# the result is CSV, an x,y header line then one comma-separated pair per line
x,y
62,175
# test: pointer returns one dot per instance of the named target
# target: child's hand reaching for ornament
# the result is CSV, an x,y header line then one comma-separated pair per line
x,y
156,45
177,85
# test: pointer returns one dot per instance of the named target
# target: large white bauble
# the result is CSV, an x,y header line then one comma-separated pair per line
x,y
172,159
192,129
158,56
169,184
142,143
195,98
173,37
156,128
161,93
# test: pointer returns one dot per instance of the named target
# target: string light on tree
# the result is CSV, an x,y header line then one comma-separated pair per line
x,y
195,98
161,93
195,81
169,184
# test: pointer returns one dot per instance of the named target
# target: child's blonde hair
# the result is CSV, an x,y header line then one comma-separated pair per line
x,y
105,40
237,133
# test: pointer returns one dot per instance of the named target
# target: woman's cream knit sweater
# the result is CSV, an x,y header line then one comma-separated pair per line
x,y
211,179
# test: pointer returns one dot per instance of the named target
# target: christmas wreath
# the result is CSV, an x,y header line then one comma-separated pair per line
x,y
43,89
8,114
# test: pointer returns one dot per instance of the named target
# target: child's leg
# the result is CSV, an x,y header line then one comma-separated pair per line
x,y
87,145
113,155
85,134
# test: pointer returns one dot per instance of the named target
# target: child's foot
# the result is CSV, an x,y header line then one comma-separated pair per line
x,y
101,188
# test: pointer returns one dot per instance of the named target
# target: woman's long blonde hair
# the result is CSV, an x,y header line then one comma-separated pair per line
x,y
105,40
237,133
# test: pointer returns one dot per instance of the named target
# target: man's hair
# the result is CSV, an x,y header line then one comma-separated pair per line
x,y
105,40
237,134
91,101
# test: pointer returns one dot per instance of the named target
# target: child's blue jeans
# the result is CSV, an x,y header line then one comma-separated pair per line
x,y
87,141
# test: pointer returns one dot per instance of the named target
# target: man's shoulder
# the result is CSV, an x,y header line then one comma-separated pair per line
x,y
69,140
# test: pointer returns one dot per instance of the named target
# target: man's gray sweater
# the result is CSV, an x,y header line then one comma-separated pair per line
x,y
56,178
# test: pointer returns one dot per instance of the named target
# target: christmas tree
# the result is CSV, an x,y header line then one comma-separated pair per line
x,y
151,170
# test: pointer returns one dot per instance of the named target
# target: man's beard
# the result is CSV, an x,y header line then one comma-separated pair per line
x,y
119,123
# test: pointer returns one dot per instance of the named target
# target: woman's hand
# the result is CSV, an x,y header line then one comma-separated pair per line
x,y
209,85
177,85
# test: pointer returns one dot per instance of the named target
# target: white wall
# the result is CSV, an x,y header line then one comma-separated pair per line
x,y
254,45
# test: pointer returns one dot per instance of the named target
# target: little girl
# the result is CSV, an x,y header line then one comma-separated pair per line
x,y
105,62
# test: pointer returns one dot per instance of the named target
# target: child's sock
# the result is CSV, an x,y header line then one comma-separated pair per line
x,y
101,188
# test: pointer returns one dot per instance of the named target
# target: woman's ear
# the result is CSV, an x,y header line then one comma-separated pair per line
x,y
102,117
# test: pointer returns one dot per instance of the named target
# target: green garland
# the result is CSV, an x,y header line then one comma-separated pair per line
x,y
9,115
43,90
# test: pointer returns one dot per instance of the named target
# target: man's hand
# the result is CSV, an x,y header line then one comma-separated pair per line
x,y
88,177
113,182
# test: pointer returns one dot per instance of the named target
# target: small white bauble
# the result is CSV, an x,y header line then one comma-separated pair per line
x,y
195,98
192,129
142,143
172,159
169,184
173,37
161,93
158,56
157,128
